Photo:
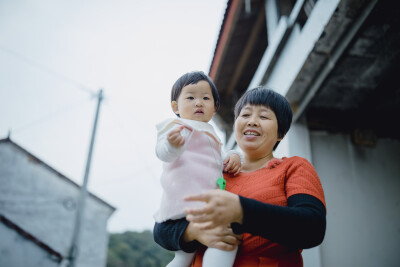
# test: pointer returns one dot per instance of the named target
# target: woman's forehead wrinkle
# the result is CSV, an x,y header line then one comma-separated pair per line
x,y
263,108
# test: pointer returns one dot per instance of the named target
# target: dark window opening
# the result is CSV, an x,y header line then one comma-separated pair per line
x,y
305,11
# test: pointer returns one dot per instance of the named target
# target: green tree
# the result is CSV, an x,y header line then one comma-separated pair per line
x,y
134,249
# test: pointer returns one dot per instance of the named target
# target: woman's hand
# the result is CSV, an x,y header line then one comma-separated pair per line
x,y
221,237
221,208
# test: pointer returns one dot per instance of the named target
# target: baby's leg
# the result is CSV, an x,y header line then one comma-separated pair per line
x,y
216,257
182,259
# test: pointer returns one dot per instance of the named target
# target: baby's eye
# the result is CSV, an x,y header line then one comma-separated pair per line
x,y
206,98
190,98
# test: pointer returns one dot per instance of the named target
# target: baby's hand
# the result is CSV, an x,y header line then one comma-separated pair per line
x,y
232,164
175,138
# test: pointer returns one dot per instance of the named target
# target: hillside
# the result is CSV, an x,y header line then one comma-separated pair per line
x,y
133,249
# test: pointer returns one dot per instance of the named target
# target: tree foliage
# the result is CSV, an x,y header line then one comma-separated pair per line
x,y
133,249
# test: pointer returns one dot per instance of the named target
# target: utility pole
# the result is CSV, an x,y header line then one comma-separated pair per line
x,y
74,250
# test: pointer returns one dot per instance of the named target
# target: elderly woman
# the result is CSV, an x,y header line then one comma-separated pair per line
x,y
274,207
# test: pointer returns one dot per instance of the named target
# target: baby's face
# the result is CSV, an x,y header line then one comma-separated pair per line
x,y
195,102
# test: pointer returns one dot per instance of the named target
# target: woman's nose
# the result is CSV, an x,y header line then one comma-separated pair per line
x,y
252,122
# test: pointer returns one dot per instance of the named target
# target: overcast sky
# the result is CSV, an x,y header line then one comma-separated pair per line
x,y
56,54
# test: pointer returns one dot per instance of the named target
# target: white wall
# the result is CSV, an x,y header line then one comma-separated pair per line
x,y
362,195
299,46
296,50
297,143
17,251
43,204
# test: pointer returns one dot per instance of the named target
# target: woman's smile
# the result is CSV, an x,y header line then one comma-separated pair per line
x,y
251,134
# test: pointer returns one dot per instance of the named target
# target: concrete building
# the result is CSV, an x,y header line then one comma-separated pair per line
x,y
337,62
20,248
38,207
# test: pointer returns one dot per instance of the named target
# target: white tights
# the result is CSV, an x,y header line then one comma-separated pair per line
x,y
212,257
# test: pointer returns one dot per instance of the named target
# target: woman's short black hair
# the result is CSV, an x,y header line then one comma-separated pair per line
x,y
193,78
270,99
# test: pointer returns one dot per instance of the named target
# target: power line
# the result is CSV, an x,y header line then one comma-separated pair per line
x,y
129,136
48,70
50,116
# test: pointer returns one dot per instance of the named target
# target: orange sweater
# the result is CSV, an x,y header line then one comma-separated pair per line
x,y
273,184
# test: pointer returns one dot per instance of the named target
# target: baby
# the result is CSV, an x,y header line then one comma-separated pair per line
x,y
191,152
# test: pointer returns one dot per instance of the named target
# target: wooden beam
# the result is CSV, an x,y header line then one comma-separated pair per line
x,y
246,52
226,35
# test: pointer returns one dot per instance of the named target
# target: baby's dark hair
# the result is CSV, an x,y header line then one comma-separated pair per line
x,y
193,78
262,96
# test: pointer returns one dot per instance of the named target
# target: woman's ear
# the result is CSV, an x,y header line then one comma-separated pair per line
x,y
174,106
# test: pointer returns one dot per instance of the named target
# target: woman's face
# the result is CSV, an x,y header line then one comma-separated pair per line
x,y
256,130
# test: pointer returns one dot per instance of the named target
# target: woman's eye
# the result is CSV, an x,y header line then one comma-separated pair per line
x,y
263,117
245,115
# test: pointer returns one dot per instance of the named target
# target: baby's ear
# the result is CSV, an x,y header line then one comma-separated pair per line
x,y
174,106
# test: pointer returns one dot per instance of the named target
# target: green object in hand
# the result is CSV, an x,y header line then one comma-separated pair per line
x,y
221,183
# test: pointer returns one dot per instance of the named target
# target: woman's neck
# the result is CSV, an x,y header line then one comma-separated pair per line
x,y
255,163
